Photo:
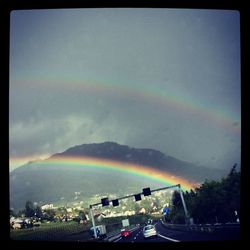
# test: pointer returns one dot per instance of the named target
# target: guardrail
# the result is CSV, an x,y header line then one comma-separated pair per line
x,y
206,228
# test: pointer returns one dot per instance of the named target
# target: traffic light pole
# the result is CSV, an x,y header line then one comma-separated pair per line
x,y
128,196
93,220
182,199
184,205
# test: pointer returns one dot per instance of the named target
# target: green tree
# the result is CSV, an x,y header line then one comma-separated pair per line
x,y
12,213
38,212
29,209
176,215
21,213
206,203
137,208
216,201
49,214
231,187
82,215
213,201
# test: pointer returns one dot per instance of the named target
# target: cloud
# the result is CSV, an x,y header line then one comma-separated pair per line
x,y
129,55
54,135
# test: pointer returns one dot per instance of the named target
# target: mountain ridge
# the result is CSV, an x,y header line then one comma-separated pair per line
x,y
46,183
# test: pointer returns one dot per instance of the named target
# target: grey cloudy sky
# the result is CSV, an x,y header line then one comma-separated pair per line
x,y
154,78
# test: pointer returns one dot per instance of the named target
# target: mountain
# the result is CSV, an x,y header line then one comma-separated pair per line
x,y
144,156
45,183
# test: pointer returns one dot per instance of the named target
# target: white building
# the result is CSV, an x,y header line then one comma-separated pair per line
x,y
142,211
47,206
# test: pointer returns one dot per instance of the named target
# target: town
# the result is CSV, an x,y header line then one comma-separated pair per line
x,y
78,211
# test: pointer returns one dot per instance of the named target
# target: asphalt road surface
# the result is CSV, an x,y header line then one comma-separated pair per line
x,y
170,235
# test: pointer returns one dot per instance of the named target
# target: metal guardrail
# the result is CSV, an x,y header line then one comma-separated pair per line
x,y
208,228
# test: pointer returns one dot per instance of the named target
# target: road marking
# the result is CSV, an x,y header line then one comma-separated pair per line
x,y
117,239
114,237
167,238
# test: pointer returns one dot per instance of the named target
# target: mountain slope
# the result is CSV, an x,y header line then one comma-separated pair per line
x,y
144,156
49,183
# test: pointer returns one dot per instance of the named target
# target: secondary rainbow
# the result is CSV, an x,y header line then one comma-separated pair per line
x,y
145,92
140,171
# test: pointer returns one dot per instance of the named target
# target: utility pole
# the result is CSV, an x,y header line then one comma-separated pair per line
x,y
184,204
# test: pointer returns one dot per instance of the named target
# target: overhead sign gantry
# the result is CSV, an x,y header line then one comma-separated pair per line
x,y
146,192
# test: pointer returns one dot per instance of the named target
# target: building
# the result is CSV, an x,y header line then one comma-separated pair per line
x,y
47,206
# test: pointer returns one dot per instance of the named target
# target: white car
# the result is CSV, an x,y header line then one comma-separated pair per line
x,y
149,231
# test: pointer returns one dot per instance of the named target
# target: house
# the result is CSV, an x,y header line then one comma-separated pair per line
x,y
127,213
16,223
100,216
47,206
142,211
69,210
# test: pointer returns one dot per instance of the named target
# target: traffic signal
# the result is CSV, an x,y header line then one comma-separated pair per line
x,y
146,191
105,201
115,203
137,197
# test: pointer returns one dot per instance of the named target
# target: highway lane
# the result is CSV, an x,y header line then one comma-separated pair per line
x,y
170,235
137,236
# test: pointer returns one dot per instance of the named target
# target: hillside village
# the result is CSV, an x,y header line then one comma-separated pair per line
x,y
34,215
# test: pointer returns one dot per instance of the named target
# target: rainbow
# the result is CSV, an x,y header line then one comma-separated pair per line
x,y
147,93
136,170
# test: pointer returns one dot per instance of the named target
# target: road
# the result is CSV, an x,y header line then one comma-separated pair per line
x,y
170,235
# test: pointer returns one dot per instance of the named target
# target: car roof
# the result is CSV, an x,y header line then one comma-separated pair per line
x,y
149,226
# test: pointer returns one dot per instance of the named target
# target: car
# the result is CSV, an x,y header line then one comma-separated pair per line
x,y
148,222
149,231
125,232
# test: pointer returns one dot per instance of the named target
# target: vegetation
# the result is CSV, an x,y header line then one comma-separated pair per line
x,y
212,202
54,231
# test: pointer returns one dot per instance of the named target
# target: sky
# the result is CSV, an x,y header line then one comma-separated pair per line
x,y
166,79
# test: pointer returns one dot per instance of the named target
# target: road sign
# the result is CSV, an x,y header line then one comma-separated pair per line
x,y
165,210
125,223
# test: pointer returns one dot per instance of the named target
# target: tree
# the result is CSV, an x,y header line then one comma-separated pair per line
x,y
216,201
82,215
176,214
21,213
176,199
12,213
49,214
213,201
38,212
29,209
